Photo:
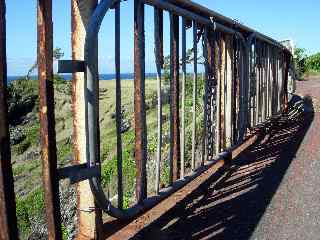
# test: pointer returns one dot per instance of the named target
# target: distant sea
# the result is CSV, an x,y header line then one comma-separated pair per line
x,y
68,77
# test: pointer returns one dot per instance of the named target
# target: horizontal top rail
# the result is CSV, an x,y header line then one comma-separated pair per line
x,y
217,17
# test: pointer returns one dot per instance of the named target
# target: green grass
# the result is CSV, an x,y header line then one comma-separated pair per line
x,y
28,208
108,142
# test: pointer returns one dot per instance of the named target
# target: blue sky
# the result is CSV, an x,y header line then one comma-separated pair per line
x,y
281,19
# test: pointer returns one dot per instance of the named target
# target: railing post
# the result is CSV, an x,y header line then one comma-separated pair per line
x,y
222,93
47,120
89,214
211,84
118,104
174,93
194,95
184,76
217,63
286,76
139,102
8,219
158,36
229,106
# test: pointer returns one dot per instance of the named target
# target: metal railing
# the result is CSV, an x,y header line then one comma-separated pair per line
x,y
245,84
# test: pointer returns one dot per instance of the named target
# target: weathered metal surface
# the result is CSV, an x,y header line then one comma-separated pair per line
x,y
229,92
227,111
139,102
88,212
47,120
118,105
206,108
70,66
158,36
217,64
8,220
78,173
183,98
174,96
194,95
211,84
222,92
236,89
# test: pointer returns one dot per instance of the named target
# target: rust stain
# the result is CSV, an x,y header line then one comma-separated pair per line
x,y
90,222
139,102
47,121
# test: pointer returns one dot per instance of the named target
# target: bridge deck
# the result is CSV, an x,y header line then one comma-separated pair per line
x,y
270,192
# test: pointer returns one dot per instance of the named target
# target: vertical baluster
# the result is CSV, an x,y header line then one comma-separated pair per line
x,y
47,120
229,89
184,74
286,76
253,83
274,82
91,221
258,88
263,84
139,102
194,93
158,57
222,93
174,94
236,90
207,109
277,82
266,82
8,220
217,64
245,81
243,91
118,104
208,50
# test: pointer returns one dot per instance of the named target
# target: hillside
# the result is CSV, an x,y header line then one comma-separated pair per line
x,y
24,129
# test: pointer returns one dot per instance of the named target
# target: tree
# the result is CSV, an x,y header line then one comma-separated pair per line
x,y
313,62
57,54
299,59
189,60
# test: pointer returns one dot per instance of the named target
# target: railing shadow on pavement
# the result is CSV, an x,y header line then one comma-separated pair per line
x,y
231,207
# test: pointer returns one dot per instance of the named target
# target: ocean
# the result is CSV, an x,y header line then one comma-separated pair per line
x,y
68,77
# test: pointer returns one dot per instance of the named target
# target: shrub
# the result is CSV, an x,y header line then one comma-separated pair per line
x,y
21,148
313,62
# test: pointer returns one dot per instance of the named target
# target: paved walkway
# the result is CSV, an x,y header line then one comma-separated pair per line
x,y
271,192
294,211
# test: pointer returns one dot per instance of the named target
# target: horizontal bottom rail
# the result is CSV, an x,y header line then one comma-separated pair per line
x,y
183,188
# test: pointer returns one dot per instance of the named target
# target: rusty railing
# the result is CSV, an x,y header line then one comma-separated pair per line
x,y
245,76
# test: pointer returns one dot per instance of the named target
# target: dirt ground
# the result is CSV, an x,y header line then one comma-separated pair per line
x,y
270,192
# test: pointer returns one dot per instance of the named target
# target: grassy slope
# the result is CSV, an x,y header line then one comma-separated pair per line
x,y
26,155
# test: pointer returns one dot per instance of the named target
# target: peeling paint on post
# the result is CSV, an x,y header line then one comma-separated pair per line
x,y
47,120
89,215
8,220
139,102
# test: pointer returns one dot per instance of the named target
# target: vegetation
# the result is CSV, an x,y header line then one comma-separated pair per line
x,y
57,54
29,208
26,154
305,64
